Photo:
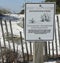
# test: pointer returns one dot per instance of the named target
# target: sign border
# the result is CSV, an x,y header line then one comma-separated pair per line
x,y
53,20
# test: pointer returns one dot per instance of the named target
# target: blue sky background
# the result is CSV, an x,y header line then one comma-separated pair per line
x,y
15,5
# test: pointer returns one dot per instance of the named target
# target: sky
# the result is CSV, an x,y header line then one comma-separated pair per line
x,y
15,5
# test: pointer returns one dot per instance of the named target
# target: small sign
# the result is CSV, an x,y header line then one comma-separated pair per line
x,y
39,21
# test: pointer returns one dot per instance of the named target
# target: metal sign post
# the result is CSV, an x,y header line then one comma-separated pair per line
x,y
39,26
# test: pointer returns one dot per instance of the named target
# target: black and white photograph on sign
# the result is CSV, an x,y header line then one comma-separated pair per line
x,y
45,17
39,21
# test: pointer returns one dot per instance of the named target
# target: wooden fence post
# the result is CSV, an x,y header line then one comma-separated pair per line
x,y
38,52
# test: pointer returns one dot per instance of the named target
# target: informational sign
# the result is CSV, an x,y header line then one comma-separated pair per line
x,y
39,21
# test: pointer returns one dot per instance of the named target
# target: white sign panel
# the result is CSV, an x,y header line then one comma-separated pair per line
x,y
39,21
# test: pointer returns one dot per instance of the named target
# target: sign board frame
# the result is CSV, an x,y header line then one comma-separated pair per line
x,y
26,27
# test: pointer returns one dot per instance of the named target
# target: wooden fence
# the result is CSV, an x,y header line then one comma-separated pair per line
x,y
9,56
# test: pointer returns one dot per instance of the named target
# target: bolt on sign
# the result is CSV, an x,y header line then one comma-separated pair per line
x,y
39,21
